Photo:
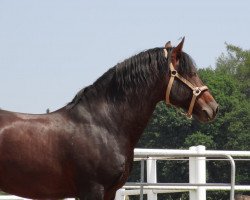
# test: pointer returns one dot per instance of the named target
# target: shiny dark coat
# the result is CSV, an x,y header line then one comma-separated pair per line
x,y
85,149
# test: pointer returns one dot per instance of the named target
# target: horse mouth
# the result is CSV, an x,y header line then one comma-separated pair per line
x,y
208,113
207,116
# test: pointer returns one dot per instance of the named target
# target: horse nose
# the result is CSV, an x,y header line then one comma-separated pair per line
x,y
215,107
211,111
208,113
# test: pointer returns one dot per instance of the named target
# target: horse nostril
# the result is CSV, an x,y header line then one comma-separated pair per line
x,y
217,110
214,108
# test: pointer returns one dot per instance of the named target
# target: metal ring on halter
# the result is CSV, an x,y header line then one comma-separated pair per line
x,y
189,116
196,91
173,72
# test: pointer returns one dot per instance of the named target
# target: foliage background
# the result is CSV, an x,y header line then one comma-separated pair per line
x,y
229,83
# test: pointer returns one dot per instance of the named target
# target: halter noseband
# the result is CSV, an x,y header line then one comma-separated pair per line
x,y
196,90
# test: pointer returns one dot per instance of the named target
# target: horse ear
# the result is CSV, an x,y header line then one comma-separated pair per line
x,y
168,45
177,50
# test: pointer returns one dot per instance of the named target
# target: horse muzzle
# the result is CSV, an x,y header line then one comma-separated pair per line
x,y
210,111
207,111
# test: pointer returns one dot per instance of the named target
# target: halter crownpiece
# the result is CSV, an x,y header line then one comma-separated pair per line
x,y
174,74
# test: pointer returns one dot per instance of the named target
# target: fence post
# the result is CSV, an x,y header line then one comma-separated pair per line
x,y
192,173
151,176
120,194
197,173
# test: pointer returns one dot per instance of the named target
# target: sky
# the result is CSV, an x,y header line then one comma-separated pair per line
x,y
51,49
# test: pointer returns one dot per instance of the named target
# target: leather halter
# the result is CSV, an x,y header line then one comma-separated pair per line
x,y
196,90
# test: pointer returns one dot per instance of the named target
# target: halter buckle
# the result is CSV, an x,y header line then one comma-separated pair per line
x,y
189,116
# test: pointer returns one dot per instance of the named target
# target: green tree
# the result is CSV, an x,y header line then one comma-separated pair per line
x,y
237,64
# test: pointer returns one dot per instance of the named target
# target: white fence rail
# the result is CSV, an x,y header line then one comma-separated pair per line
x,y
197,185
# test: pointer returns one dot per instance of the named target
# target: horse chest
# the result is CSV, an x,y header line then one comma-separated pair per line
x,y
124,170
117,170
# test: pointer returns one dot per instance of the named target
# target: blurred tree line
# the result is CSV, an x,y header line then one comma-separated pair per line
x,y
229,83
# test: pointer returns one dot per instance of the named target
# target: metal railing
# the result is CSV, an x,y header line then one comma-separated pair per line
x,y
197,185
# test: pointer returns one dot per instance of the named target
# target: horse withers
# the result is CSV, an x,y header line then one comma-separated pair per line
x,y
85,149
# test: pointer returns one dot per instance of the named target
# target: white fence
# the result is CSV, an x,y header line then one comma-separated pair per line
x,y
197,185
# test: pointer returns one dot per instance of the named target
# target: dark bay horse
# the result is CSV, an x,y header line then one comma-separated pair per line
x,y
85,149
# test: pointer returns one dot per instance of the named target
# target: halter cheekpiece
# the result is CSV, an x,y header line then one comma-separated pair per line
x,y
174,74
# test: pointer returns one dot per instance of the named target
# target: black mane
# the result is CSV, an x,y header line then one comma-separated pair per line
x,y
140,71
133,74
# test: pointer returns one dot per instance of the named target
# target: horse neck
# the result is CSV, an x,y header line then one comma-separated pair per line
x,y
136,117
124,104
136,111
125,117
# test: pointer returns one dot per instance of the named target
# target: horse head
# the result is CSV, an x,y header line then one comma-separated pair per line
x,y
184,87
